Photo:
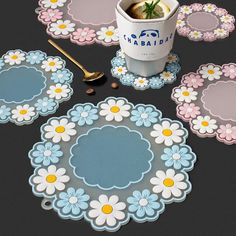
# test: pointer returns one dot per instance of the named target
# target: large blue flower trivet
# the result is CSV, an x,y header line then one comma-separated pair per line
x,y
119,70
110,163
31,84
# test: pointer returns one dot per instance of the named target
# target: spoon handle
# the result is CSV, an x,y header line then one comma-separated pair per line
x,y
67,55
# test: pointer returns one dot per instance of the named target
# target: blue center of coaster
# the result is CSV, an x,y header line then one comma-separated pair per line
x,y
111,157
19,84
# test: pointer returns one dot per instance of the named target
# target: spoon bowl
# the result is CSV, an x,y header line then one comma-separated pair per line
x,y
88,77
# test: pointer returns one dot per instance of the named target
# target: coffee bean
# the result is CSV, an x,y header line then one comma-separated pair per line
x,y
90,91
115,85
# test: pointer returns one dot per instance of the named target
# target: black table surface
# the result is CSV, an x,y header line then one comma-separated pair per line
x,y
210,208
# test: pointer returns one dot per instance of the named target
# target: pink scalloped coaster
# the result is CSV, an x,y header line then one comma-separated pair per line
x,y
204,22
206,99
83,22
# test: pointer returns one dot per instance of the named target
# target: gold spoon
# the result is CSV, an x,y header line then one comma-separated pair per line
x,y
88,76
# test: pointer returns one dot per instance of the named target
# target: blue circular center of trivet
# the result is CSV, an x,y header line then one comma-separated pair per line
x,y
111,157
19,84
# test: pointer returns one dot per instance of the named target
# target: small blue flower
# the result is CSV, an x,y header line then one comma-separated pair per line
x,y
179,157
72,203
84,114
156,83
46,154
144,116
1,64
44,105
127,79
174,68
35,57
144,205
62,76
4,113
118,61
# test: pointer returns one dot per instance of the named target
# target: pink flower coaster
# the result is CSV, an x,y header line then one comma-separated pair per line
x,y
204,22
83,22
206,100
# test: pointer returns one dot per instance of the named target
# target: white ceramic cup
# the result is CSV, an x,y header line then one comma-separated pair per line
x,y
146,43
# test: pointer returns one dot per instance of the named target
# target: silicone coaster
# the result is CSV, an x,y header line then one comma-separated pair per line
x,y
31,84
207,100
110,163
204,22
83,22
119,70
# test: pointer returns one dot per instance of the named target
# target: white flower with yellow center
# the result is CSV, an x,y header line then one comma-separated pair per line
x,y
115,110
227,19
58,130
210,72
108,34
107,211
172,58
180,23
23,113
14,57
184,94
168,133
140,82
195,34
167,76
62,27
120,70
221,32
186,10
58,91
51,179
209,7
52,64
168,183
53,3
204,124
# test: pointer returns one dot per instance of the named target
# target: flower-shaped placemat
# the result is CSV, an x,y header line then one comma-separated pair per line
x,y
111,162
206,100
119,70
204,22
31,84
83,22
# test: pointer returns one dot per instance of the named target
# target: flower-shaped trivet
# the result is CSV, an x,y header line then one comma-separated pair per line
x,y
119,70
83,22
31,84
204,22
110,163
206,100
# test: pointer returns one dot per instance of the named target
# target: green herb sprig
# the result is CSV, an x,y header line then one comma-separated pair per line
x,y
150,9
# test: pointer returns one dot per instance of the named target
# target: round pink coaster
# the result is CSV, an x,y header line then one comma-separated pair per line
x,y
206,99
204,22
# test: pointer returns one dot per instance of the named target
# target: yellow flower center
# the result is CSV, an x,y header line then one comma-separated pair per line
x,y
141,81
60,129
186,93
107,209
52,63
109,33
51,178
23,112
205,123
14,57
58,90
53,1
120,70
62,26
115,109
211,72
168,182
167,132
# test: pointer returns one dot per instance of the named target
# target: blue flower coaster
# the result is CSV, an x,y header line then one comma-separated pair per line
x,y
110,163
119,70
31,84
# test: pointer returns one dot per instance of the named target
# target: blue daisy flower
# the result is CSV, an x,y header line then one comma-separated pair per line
x,y
156,83
173,67
127,79
179,157
84,114
144,205
1,64
46,104
144,116
46,154
118,61
72,203
35,57
4,113
62,76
